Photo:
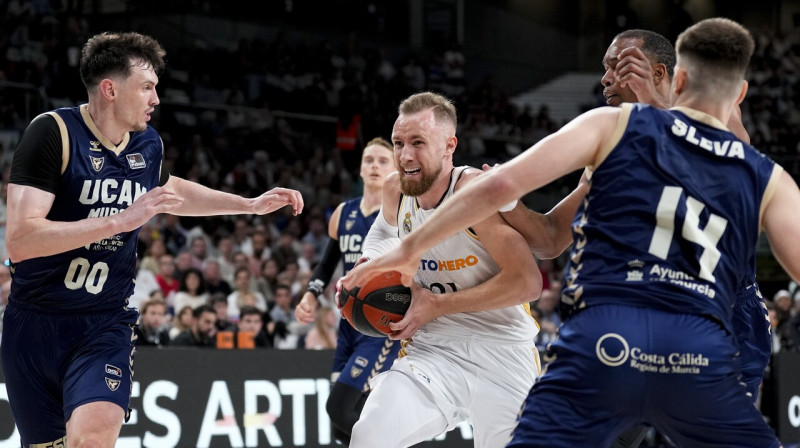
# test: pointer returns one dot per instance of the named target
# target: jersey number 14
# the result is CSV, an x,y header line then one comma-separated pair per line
x,y
707,238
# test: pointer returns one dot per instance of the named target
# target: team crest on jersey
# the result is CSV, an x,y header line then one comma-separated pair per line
x,y
112,384
97,163
94,145
407,223
136,161
349,225
355,371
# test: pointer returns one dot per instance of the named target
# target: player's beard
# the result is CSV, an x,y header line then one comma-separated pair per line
x,y
411,187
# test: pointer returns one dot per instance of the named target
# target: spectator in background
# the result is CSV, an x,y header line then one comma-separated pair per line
x,y
219,302
212,272
191,291
268,280
145,283
203,330
173,233
153,329
260,251
151,257
291,276
284,334
199,251
241,236
236,299
181,321
225,258
183,262
324,333
165,277
251,321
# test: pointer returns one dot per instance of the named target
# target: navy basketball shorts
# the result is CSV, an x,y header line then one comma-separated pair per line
x,y
752,329
360,357
613,367
54,363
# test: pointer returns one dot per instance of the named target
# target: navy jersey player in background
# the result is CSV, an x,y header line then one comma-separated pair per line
x,y
358,357
638,66
665,239
83,182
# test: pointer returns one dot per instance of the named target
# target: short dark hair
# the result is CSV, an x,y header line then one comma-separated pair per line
x,y
248,310
719,47
110,54
656,47
203,309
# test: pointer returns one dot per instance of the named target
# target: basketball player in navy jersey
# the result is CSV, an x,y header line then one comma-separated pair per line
x,y
663,241
358,357
83,182
638,67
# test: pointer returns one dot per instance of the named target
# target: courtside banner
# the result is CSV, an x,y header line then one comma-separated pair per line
x,y
786,367
187,397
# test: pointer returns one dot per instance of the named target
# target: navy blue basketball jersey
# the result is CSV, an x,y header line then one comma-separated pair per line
x,y
97,180
672,216
353,229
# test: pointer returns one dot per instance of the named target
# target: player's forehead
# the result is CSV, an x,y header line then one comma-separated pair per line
x,y
377,151
616,47
418,124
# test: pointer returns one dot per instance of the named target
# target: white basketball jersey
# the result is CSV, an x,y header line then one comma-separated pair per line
x,y
458,263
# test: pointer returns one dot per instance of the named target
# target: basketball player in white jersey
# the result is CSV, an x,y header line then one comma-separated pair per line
x,y
471,356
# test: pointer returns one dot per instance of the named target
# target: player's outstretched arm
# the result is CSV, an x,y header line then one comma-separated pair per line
x,y
30,234
203,201
781,223
549,234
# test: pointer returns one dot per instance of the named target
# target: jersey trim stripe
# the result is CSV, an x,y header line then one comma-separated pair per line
x,y
62,129
616,136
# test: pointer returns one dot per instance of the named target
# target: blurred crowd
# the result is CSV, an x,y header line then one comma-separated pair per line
x,y
283,111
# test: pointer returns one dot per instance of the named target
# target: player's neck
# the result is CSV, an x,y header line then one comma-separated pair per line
x,y
105,123
371,201
433,196
721,110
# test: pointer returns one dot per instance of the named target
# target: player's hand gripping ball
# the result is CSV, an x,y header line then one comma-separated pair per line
x,y
372,307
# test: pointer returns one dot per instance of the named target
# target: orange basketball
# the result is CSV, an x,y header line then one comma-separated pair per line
x,y
382,300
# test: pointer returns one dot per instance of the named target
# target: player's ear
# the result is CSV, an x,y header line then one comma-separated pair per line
x,y
742,93
679,80
107,88
451,144
659,73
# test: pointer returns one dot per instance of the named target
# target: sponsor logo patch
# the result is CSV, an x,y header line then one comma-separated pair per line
x,y
113,370
136,161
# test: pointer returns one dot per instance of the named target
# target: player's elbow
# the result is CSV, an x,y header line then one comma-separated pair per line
x,y
530,285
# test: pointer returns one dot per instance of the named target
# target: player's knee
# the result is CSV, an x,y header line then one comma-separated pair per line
x,y
89,440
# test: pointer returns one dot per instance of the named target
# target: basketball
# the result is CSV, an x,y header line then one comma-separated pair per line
x,y
372,307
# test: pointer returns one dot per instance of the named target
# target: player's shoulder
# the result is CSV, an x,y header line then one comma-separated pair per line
x,y
466,175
